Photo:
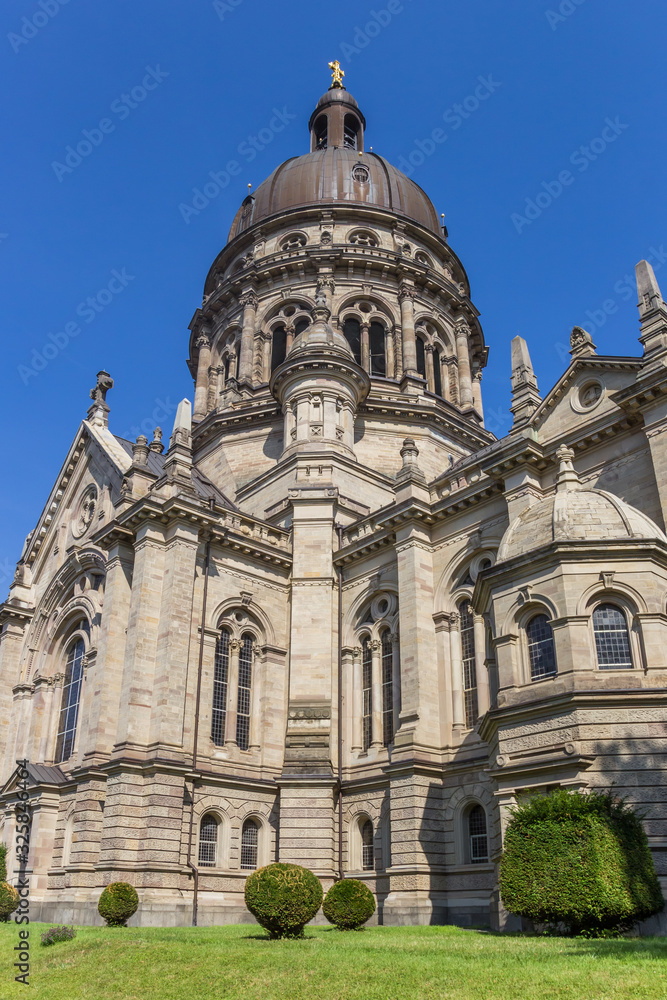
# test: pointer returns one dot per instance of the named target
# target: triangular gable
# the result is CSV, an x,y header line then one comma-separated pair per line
x,y
38,776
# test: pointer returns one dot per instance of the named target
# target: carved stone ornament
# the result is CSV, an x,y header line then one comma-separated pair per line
x,y
98,393
85,511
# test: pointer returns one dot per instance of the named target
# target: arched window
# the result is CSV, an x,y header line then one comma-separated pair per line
x,y
220,679
421,357
350,132
367,692
352,333
301,325
469,667
278,346
249,844
437,372
320,130
477,838
245,682
387,689
377,350
540,648
69,705
612,639
367,858
208,841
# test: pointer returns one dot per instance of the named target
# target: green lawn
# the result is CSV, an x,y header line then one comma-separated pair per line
x,y
380,963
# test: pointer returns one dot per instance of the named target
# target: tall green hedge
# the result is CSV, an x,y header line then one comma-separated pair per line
x,y
3,863
581,861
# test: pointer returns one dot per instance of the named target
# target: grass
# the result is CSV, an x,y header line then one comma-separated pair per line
x,y
379,963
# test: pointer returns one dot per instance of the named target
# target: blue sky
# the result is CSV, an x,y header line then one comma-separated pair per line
x,y
560,116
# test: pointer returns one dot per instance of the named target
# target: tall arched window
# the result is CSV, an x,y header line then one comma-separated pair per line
x,y
376,337
249,844
350,132
320,130
421,357
367,854
541,648
208,841
278,346
387,689
437,371
220,679
367,692
301,325
478,841
469,667
245,683
352,333
69,705
612,639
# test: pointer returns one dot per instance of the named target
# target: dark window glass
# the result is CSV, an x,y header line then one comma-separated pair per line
x,y
479,847
352,333
220,678
612,639
278,346
208,840
69,705
541,648
469,668
245,682
367,692
320,129
367,859
387,689
301,325
437,372
376,342
421,358
249,841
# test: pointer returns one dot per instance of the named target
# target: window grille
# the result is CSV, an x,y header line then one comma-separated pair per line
x,y
243,703
249,842
541,648
367,693
208,840
479,847
612,639
387,689
469,667
220,680
69,705
367,858
350,127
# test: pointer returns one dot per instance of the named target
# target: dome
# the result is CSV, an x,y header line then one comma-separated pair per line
x,y
574,513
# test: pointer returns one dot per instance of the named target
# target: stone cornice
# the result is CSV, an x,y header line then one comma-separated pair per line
x,y
15,613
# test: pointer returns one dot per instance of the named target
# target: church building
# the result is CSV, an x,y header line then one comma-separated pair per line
x,y
332,620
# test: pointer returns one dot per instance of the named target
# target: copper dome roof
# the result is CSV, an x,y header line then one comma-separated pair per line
x,y
326,177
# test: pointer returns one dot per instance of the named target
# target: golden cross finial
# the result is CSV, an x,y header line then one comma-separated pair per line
x,y
337,74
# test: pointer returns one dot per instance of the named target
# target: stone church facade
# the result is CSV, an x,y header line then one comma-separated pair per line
x,y
335,621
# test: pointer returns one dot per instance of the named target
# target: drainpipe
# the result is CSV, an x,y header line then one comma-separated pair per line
x,y
193,868
339,568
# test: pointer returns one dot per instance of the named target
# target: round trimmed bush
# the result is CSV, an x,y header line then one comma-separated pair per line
x,y
9,900
283,898
580,862
117,903
348,904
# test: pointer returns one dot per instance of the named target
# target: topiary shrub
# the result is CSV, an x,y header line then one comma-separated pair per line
x,y
9,900
283,898
117,903
579,861
60,933
348,904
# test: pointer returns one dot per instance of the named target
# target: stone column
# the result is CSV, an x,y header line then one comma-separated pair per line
x,y
356,701
463,354
395,678
289,337
389,352
12,635
477,393
232,693
483,699
249,301
456,662
406,297
376,693
203,345
430,374
444,375
267,346
365,348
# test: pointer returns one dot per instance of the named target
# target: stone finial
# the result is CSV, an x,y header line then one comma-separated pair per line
x,y
525,394
410,468
98,393
156,444
182,432
567,478
652,318
581,342
140,451
648,289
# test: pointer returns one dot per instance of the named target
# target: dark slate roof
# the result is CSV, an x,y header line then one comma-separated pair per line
x,y
44,774
203,486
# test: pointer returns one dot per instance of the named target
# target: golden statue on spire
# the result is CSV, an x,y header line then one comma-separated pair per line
x,y
336,75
